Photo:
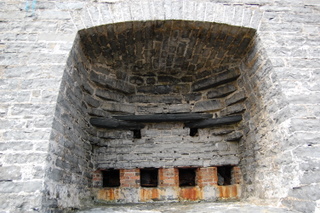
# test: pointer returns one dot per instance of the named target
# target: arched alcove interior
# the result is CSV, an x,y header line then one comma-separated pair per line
x,y
157,68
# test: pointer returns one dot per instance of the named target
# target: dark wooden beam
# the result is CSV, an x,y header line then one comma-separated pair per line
x,y
110,123
214,122
183,117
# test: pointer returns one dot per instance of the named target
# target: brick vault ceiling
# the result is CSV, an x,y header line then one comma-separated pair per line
x,y
165,47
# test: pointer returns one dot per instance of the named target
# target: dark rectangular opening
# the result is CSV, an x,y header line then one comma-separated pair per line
x,y
194,132
111,178
187,177
224,175
149,177
137,134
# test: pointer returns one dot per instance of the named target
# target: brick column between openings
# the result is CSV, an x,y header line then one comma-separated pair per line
x,y
130,177
207,176
236,175
168,177
97,179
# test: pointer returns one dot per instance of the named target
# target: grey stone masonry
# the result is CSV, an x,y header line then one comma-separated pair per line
x,y
64,62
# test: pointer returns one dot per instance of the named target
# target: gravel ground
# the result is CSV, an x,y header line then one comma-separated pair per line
x,y
231,207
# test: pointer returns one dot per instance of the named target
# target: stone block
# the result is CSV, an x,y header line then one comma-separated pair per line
x,y
307,152
115,84
221,91
312,2
155,89
118,107
109,95
174,99
168,79
222,146
151,108
16,146
234,136
301,18
23,134
305,124
235,98
203,106
14,96
192,97
26,202
32,109
216,80
151,81
18,187
311,176
91,101
300,205
136,80
3,109
210,193
9,173
12,123
224,131
22,158
233,109
56,15
178,108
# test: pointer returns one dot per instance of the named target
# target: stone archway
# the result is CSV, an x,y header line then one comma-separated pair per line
x,y
106,76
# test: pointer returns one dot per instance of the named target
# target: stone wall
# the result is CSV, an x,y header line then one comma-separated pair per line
x,y
149,83
283,122
69,164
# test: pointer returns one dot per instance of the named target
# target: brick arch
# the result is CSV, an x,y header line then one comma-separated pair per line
x,y
104,13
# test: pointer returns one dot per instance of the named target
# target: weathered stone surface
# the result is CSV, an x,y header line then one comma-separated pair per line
x,y
234,136
203,106
223,131
91,101
216,80
151,81
155,99
192,97
300,205
118,107
235,98
306,192
9,173
25,158
8,187
155,89
233,109
35,44
232,207
221,91
109,95
178,108
108,82
16,146
137,80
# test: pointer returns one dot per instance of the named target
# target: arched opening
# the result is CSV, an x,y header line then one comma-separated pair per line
x,y
161,79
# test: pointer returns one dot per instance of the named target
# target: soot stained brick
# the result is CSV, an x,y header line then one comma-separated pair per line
x,y
216,80
221,91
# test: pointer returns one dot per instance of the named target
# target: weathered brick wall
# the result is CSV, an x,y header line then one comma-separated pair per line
x,y
69,160
35,46
169,186
165,67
